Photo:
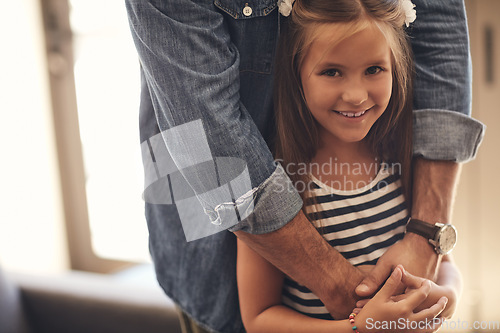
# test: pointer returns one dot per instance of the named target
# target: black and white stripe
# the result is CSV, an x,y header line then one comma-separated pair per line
x,y
361,224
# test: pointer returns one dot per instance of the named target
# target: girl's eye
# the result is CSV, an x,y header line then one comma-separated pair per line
x,y
374,70
330,72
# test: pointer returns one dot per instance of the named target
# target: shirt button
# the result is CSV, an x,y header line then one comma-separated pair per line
x,y
247,11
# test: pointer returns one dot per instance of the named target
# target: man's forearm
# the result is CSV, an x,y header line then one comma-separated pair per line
x,y
299,251
434,186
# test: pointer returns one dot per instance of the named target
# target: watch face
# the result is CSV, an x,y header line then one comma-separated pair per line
x,y
447,239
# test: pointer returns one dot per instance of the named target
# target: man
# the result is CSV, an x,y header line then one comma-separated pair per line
x,y
207,86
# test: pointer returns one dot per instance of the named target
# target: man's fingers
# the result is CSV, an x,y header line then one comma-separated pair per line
x,y
373,281
362,302
356,310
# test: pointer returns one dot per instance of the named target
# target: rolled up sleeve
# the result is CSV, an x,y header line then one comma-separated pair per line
x,y
443,127
446,135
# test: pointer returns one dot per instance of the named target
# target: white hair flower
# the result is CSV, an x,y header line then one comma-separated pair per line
x,y
410,12
285,6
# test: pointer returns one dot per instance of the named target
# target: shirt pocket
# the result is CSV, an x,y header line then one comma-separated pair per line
x,y
253,28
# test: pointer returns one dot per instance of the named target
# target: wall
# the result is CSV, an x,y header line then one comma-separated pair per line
x,y
31,224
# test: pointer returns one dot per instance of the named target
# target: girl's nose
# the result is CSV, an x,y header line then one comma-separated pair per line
x,y
355,94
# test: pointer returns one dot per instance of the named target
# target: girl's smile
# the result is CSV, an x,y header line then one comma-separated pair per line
x,y
352,114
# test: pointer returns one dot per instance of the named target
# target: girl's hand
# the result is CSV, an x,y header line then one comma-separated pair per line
x,y
386,312
413,282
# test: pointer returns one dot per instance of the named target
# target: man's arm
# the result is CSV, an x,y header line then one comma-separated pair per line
x,y
444,135
299,250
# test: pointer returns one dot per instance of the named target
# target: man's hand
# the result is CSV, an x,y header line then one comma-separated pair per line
x,y
341,302
413,252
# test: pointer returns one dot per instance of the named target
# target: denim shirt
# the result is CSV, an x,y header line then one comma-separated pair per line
x,y
212,62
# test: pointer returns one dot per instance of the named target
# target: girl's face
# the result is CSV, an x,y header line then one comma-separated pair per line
x,y
347,87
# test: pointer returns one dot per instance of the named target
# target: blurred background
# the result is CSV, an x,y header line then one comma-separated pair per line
x,y
71,172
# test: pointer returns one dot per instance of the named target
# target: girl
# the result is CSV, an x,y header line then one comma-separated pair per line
x,y
343,109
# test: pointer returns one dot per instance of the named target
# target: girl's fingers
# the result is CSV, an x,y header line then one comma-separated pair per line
x,y
431,326
426,321
400,297
411,281
432,312
437,323
417,296
392,284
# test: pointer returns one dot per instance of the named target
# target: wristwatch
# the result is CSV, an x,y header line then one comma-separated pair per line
x,y
442,236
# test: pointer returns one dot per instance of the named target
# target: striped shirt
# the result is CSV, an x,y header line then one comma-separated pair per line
x,y
361,224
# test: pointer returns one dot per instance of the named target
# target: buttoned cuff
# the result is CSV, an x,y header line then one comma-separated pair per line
x,y
276,202
446,135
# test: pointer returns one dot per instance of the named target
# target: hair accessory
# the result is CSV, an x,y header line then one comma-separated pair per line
x,y
410,12
351,320
285,6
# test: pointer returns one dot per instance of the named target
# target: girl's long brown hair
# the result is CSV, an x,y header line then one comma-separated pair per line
x,y
297,131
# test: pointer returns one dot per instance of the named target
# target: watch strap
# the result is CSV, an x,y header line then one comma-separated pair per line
x,y
422,228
